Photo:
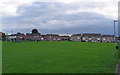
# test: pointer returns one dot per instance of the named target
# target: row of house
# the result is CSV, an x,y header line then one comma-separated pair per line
x,y
92,37
37,37
86,37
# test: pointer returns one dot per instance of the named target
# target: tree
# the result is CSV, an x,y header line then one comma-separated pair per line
x,y
3,36
18,33
34,31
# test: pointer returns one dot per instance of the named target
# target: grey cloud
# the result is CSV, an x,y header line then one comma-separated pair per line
x,y
38,16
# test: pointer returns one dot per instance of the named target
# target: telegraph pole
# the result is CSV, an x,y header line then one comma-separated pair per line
x,y
115,35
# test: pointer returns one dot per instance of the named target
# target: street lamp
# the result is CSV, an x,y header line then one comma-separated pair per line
x,y
114,35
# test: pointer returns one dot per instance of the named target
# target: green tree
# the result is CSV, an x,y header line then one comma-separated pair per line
x,y
3,36
34,31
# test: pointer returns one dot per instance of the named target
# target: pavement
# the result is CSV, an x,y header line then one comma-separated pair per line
x,y
117,70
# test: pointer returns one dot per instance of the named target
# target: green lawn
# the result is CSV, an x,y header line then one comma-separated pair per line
x,y
58,57
0,57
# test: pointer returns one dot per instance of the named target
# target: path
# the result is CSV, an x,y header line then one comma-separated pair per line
x,y
117,70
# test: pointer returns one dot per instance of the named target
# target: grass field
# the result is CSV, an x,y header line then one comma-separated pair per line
x,y
0,57
58,57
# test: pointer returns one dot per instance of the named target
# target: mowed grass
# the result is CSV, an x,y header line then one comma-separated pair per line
x,y
0,57
58,57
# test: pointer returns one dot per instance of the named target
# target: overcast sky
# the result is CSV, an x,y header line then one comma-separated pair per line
x,y
63,16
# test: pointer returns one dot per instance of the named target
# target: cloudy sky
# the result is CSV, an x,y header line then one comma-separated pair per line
x,y
63,16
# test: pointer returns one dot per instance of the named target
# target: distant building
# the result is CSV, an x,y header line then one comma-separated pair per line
x,y
108,38
42,37
66,35
11,37
52,37
36,36
76,37
20,37
64,38
0,35
118,39
33,36
91,37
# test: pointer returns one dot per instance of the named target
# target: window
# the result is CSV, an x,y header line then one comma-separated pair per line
x,y
92,40
50,36
20,37
89,38
42,38
86,40
98,38
104,38
54,39
83,38
78,37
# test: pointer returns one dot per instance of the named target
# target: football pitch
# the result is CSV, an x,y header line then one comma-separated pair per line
x,y
58,57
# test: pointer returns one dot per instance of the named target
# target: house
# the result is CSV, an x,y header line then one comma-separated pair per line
x,y
118,39
11,37
28,36
91,37
76,37
36,36
52,37
0,35
66,35
65,38
42,37
33,36
108,38
20,37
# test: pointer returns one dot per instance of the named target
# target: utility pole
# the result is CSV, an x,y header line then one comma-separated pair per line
x,y
115,35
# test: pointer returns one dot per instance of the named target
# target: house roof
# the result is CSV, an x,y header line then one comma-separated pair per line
x,y
42,35
52,34
107,35
12,35
76,35
30,34
20,34
118,38
64,36
91,34
0,33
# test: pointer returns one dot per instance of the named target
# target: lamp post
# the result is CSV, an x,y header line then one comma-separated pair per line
x,y
114,35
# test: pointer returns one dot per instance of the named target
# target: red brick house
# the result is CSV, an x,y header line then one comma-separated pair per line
x,y
52,37
42,37
0,35
65,38
20,37
34,36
